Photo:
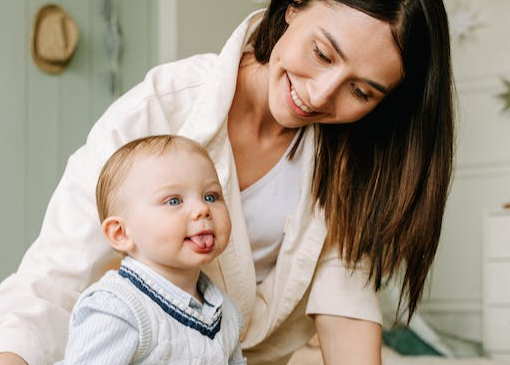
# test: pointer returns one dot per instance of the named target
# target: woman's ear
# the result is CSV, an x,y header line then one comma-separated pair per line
x,y
114,229
289,14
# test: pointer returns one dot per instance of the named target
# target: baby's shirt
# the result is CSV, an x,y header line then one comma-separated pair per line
x,y
135,316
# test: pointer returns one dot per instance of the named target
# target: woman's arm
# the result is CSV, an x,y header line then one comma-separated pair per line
x,y
346,312
348,341
8,358
71,252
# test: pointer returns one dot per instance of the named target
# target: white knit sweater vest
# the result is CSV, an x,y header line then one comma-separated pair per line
x,y
164,340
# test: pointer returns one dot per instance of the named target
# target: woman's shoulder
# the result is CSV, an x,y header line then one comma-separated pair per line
x,y
171,87
181,74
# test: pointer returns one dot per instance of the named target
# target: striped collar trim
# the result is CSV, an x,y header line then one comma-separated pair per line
x,y
183,314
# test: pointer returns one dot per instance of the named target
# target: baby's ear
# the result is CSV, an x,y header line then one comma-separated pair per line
x,y
114,229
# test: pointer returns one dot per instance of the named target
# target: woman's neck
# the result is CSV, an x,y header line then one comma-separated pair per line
x,y
251,103
257,140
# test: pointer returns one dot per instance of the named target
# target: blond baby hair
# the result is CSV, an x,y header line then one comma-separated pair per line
x,y
119,164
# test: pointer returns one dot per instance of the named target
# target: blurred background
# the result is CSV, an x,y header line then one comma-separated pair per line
x,y
45,117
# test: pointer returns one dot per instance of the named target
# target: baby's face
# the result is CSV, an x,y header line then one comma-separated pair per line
x,y
174,210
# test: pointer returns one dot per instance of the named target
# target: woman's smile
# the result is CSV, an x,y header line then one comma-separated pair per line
x,y
296,104
333,64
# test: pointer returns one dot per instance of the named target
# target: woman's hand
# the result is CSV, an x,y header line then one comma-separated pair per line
x,y
348,341
8,358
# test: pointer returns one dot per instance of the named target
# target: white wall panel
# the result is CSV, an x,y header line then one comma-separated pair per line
x,y
482,176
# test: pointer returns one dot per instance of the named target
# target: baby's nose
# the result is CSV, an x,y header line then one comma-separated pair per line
x,y
201,210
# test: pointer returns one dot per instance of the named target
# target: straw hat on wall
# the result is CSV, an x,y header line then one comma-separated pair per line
x,y
54,39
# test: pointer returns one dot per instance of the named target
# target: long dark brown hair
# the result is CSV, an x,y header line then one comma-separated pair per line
x,y
383,181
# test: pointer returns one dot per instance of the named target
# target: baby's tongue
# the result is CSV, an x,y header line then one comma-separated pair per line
x,y
203,240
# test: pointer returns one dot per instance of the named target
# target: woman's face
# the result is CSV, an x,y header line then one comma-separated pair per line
x,y
333,64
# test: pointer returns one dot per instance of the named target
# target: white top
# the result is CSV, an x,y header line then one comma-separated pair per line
x,y
192,98
135,316
268,205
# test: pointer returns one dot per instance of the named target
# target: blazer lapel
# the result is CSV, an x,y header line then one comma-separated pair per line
x,y
302,245
236,261
211,110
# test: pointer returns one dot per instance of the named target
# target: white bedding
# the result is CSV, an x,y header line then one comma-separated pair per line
x,y
310,355
390,357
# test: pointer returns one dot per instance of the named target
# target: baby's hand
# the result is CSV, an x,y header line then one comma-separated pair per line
x,y
8,358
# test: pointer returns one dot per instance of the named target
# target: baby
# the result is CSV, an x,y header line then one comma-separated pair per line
x,y
160,203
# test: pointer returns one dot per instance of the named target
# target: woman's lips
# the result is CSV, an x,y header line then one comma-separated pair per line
x,y
296,104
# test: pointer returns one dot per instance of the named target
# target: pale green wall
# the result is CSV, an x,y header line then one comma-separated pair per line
x,y
44,118
204,26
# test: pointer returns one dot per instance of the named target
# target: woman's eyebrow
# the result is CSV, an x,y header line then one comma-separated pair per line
x,y
334,43
376,86
342,55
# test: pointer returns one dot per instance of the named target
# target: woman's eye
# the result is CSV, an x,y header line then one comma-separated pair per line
x,y
321,55
359,94
173,201
211,198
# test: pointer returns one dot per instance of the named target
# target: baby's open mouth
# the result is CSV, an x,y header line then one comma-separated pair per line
x,y
202,242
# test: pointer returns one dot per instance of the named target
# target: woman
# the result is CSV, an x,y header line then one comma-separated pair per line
x,y
331,127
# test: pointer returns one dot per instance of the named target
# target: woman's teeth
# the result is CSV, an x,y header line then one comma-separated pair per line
x,y
298,101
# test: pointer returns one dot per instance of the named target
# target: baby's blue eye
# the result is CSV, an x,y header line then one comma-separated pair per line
x,y
210,198
174,201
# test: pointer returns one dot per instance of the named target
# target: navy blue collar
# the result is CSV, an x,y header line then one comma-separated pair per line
x,y
184,312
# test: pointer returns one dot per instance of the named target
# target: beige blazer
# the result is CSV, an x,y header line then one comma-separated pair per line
x,y
190,97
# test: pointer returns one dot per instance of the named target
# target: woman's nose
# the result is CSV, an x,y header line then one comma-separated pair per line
x,y
323,90
200,210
